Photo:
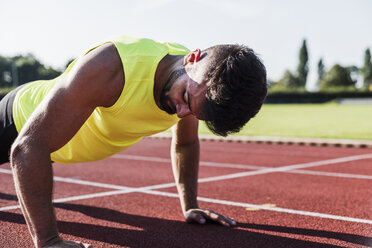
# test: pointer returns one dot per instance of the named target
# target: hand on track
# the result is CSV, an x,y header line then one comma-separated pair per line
x,y
200,216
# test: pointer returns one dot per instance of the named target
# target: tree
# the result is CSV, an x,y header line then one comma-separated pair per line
x,y
30,69
303,68
288,80
21,69
48,72
27,68
337,77
367,70
5,71
321,71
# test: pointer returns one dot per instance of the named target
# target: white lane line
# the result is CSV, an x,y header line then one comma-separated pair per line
x,y
75,198
201,163
205,199
307,172
149,189
142,158
233,166
122,190
90,183
274,209
286,168
224,177
6,171
102,185
255,167
331,174
242,166
94,195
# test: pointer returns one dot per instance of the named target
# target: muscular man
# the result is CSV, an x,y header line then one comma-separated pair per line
x,y
111,97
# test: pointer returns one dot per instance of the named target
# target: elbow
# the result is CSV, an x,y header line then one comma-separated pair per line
x,y
185,141
186,144
18,152
186,148
25,152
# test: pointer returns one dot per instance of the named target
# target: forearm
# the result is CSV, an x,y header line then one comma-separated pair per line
x,y
33,179
185,162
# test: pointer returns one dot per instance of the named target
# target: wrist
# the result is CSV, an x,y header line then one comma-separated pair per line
x,y
188,207
48,242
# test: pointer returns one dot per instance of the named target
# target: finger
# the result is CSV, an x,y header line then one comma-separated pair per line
x,y
222,221
219,218
211,215
84,245
228,220
232,221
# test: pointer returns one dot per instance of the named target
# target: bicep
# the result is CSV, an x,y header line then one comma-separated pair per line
x,y
55,120
95,81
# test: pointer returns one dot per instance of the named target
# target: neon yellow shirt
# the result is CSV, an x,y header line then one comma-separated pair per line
x,y
134,115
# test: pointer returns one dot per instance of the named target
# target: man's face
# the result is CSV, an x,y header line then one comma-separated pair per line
x,y
185,90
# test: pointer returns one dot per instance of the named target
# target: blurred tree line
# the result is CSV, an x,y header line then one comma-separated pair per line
x,y
337,78
21,69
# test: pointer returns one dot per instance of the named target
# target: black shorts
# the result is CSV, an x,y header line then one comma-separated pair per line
x,y
8,131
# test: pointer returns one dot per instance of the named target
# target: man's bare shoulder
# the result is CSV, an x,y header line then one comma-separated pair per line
x,y
101,72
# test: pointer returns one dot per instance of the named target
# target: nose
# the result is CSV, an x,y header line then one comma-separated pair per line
x,y
182,110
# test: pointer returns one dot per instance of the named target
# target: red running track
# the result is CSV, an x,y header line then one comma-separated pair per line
x,y
280,195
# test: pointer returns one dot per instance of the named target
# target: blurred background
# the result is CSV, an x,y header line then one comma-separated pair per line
x,y
317,53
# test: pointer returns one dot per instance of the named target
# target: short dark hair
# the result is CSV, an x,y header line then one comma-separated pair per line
x,y
237,84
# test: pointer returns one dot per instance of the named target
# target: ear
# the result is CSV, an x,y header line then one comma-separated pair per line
x,y
192,57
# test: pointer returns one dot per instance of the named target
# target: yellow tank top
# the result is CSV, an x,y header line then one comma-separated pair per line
x,y
134,115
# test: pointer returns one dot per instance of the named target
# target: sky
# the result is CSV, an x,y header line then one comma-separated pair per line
x,y
339,31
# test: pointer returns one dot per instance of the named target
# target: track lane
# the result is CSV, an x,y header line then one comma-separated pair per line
x,y
137,219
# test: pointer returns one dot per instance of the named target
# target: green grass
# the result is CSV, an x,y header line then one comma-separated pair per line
x,y
305,120
310,120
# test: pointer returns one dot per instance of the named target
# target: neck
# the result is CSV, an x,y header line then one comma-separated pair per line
x,y
164,69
